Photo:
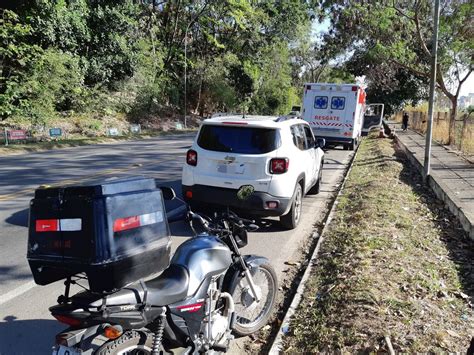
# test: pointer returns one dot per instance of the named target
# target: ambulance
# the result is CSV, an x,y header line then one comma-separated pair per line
x,y
335,112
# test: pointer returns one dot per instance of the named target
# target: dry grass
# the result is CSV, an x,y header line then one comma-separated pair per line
x,y
464,131
394,264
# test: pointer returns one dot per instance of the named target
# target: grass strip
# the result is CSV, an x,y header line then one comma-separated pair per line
x,y
395,268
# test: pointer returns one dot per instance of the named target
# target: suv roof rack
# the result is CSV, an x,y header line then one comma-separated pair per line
x,y
291,116
224,114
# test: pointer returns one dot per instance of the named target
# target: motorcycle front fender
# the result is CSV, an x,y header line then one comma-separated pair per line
x,y
235,272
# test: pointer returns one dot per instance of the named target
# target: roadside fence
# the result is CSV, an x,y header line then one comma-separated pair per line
x,y
463,128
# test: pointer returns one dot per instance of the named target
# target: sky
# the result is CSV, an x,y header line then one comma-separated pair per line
x,y
468,86
320,27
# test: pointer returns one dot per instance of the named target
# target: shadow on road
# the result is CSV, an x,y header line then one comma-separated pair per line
x,y
9,273
19,218
35,336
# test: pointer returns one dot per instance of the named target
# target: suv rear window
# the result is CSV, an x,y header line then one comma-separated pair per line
x,y
243,140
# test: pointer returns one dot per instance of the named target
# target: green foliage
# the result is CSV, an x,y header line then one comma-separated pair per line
x,y
398,34
218,93
62,24
17,54
393,86
54,83
275,93
102,58
112,49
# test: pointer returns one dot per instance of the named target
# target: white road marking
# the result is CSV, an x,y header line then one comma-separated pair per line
x,y
16,292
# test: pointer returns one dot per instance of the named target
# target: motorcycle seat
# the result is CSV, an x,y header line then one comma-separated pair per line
x,y
170,287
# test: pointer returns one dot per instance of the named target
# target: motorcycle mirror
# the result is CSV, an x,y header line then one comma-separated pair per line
x,y
245,192
241,237
168,193
252,227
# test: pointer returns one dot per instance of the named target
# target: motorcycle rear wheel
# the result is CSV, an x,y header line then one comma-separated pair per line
x,y
250,315
130,343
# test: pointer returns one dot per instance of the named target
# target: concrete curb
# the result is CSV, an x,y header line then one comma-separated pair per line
x,y
439,188
277,345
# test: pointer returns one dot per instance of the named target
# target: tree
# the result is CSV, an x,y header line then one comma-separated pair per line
x,y
399,31
16,55
132,54
389,84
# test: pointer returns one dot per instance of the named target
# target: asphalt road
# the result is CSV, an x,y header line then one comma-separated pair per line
x,y
25,324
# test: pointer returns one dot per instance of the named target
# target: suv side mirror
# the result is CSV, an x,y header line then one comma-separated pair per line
x,y
320,142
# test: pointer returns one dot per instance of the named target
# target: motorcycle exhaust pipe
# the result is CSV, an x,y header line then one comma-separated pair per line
x,y
229,310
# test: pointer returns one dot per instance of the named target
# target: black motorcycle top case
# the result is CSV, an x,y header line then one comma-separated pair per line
x,y
115,232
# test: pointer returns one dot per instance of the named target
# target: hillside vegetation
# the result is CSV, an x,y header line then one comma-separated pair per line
x,y
89,61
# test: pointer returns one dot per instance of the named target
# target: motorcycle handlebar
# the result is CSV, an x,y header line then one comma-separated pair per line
x,y
198,217
231,216
239,220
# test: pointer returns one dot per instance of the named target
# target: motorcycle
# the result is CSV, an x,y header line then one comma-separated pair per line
x,y
209,293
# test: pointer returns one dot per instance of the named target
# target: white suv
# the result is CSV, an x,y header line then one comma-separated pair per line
x,y
278,156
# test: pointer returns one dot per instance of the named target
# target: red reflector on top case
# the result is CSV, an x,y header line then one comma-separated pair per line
x,y
59,225
123,224
47,225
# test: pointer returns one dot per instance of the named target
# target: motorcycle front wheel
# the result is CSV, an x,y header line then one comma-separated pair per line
x,y
250,314
130,343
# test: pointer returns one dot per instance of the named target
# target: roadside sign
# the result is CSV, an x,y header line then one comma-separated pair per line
x,y
135,128
17,135
179,125
55,132
113,132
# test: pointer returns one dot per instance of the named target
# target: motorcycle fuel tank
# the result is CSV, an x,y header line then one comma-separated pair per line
x,y
204,256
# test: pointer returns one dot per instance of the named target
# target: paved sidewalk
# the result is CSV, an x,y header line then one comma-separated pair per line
x,y
452,177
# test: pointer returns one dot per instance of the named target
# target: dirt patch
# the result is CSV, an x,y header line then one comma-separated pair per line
x,y
82,130
395,267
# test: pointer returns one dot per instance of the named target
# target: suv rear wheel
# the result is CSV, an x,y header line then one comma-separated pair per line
x,y
292,218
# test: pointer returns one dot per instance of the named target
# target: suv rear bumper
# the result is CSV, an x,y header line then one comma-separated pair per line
x,y
255,205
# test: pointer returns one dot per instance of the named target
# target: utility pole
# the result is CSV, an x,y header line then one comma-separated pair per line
x,y
185,72
434,59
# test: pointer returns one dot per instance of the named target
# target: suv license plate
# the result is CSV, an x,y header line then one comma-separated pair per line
x,y
63,350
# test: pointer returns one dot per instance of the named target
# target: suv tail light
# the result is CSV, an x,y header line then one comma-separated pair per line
x,y
192,157
279,165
